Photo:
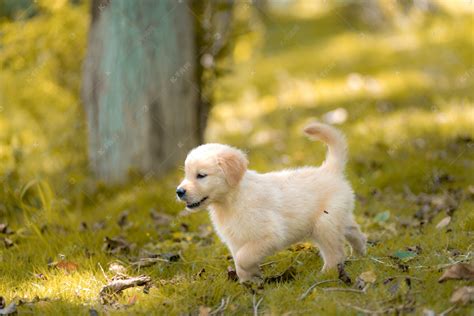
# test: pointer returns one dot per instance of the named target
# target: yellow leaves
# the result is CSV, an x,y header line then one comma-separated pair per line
x,y
368,276
41,61
244,48
52,5
242,51
182,236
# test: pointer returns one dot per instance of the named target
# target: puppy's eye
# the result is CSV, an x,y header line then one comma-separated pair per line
x,y
201,175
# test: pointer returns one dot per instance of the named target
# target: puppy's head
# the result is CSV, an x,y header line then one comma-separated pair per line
x,y
211,171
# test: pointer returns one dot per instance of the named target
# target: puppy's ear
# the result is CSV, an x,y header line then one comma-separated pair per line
x,y
234,164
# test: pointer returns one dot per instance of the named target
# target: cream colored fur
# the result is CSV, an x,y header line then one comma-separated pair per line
x,y
257,214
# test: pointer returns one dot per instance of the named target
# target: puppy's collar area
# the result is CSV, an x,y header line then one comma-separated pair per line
x,y
196,204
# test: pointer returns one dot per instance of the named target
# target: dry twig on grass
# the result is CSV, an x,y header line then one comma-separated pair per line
x,y
311,288
115,287
222,307
343,289
147,262
256,305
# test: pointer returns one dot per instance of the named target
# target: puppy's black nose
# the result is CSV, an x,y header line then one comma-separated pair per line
x,y
180,192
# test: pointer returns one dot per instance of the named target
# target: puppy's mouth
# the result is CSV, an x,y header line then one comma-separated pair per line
x,y
197,204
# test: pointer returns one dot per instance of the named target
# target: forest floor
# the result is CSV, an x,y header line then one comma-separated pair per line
x,y
404,99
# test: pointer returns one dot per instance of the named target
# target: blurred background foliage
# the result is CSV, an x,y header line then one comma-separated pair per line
x,y
282,61
42,138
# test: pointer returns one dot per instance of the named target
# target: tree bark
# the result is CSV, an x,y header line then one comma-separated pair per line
x,y
141,87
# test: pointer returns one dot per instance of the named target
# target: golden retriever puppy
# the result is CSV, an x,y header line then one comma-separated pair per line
x,y
258,214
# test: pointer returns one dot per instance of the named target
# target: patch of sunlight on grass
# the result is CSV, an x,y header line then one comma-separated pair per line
x,y
457,7
293,92
75,287
449,119
300,8
384,84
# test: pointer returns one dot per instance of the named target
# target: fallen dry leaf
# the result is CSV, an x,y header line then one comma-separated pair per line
x,y
463,296
204,310
232,274
152,259
8,242
160,219
343,276
116,245
67,266
365,278
444,222
170,256
460,271
4,229
368,276
432,204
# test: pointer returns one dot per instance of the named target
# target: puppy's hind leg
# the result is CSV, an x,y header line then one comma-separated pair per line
x,y
356,238
330,241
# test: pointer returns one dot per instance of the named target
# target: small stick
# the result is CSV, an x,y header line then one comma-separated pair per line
x,y
448,310
117,286
312,287
341,289
384,263
223,306
367,311
256,305
103,272
147,262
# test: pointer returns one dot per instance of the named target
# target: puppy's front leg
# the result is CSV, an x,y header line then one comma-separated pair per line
x,y
248,259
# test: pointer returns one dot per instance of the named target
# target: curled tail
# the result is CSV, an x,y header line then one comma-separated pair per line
x,y
336,156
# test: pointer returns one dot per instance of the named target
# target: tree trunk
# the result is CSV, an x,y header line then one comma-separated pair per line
x,y
141,87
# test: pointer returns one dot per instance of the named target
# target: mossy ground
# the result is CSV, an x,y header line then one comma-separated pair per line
x,y
408,93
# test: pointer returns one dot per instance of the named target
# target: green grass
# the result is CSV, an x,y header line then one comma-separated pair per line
x,y
410,130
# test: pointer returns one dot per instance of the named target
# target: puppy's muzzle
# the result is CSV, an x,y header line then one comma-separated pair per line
x,y
180,192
